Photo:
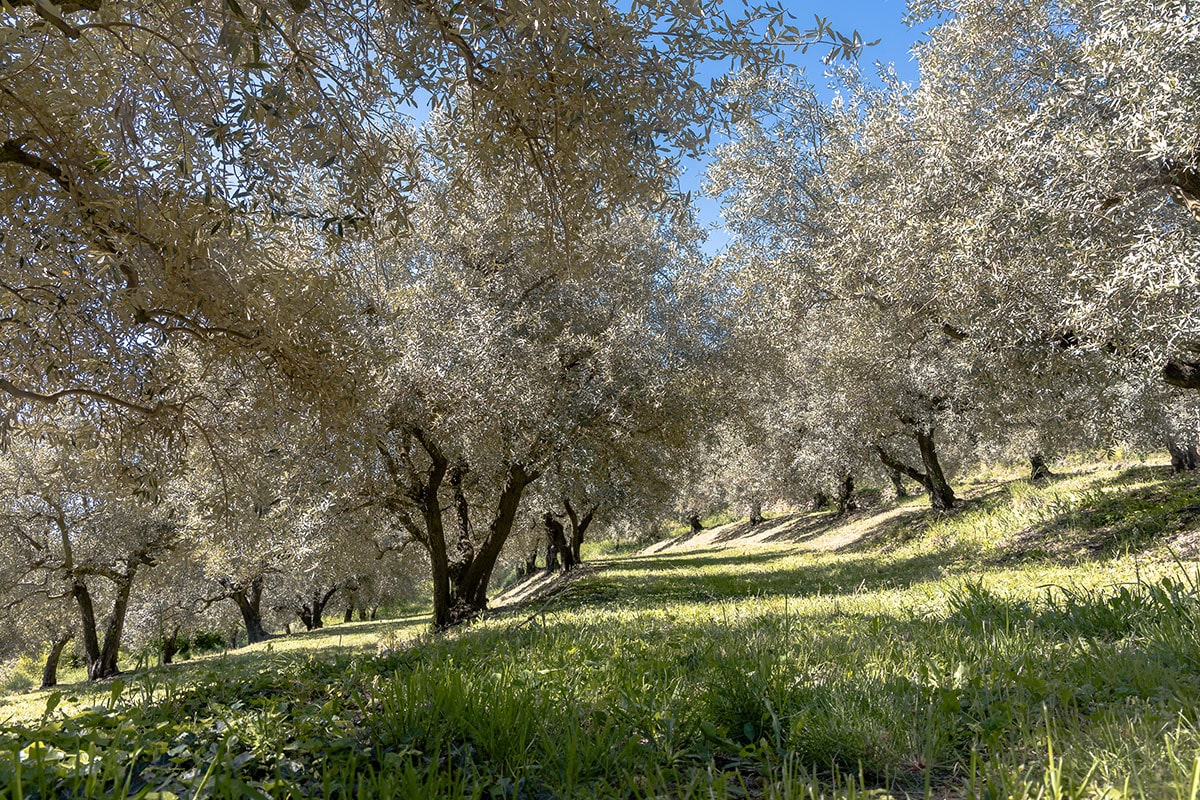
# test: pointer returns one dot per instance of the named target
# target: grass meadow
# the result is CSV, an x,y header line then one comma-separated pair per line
x,y
1040,642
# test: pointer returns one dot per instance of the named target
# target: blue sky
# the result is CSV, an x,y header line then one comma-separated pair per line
x,y
873,19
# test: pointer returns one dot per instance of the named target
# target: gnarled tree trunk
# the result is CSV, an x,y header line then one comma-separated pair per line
x,y
529,565
460,579
102,654
941,495
50,670
248,598
579,526
87,624
112,632
756,515
311,612
470,589
845,496
1184,454
556,541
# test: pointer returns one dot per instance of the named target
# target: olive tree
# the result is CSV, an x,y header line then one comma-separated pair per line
x,y
75,527
151,150
502,352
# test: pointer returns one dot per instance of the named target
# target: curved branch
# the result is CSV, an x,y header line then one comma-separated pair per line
x,y
53,397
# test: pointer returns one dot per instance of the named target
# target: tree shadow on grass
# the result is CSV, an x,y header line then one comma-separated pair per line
x,y
1132,511
731,577
341,639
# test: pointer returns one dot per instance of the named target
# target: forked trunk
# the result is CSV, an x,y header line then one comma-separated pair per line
x,y
579,526
312,612
756,512
556,542
470,586
50,671
101,655
249,601
941,495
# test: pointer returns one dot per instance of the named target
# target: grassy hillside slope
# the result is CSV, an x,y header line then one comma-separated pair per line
x,y
1040,642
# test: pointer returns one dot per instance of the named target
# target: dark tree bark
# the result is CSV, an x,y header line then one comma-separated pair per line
x,y
556,539
170,645
694,523
311,612
756,515
102,654
112,632
1185,456
897,484
529,565
579,526
845,496
820,500
434,533
460,579
351,588
1038,469
941,495
50,670
87,624
248,598
470,591
464,548
1183,374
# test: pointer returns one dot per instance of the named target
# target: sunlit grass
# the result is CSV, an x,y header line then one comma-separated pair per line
x,y
1043,641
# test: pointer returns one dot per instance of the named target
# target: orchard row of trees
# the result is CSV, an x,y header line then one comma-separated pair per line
x,y
270,341
267,337
999,263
